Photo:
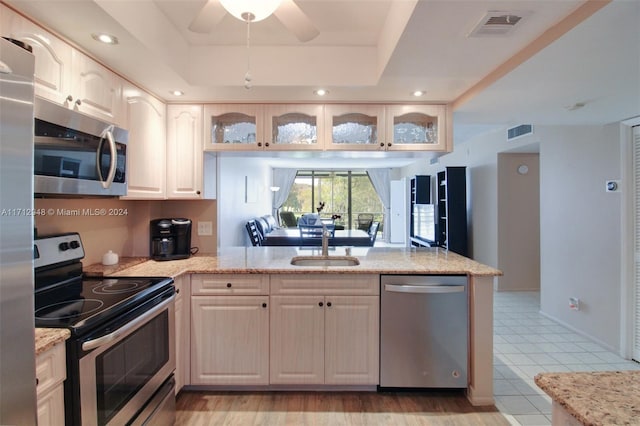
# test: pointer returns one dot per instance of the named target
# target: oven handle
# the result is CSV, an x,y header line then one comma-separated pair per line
x,y
108,338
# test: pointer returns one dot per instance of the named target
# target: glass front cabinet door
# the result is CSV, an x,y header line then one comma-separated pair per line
x,y
294,127
354,127
234,127
416,127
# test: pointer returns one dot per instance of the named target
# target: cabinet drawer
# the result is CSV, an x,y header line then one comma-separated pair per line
x,y
237,284
50,369
322,284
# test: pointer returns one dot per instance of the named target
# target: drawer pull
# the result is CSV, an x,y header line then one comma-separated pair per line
x,y
228,285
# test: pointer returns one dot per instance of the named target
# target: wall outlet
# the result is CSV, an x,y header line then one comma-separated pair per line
x,y
205,228
574,303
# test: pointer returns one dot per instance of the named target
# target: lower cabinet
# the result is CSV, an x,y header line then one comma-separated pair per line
x,y
50,375
183,335
324,329
324,340
288,329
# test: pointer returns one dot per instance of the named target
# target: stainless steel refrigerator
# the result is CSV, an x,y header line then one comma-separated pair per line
x,y
17,353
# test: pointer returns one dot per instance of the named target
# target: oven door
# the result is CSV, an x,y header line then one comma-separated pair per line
x,y
124,368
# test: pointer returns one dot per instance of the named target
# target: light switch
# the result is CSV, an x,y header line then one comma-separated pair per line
x,y
205,228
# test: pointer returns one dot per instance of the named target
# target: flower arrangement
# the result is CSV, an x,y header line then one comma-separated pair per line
x,y
335,216
320,206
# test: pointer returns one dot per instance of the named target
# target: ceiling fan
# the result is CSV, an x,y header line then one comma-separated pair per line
x,y
287,11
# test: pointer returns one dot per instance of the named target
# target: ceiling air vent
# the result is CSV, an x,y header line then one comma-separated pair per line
x,y
497,23
519,131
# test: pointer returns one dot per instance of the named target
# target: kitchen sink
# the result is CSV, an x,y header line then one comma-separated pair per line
x,y
325,261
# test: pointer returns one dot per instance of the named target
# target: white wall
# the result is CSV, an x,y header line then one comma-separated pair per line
x,y
580,224
237,205
581,229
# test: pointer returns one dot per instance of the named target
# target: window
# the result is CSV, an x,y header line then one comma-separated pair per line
x,y
345,195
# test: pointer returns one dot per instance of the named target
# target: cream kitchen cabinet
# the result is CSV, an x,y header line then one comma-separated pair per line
x,y
230,329
183,333
50,375
96,91
417,128
352,127
147,147
324,329
184,152
53,56
293,127
234,127
66,76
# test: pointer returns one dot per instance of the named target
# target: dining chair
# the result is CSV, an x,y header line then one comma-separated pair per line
x,y
363,222
254,234
373,232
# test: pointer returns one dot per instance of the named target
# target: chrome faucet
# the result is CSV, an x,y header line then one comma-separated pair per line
x,y
325,240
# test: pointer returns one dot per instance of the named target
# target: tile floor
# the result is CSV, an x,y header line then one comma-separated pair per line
x,y
527,343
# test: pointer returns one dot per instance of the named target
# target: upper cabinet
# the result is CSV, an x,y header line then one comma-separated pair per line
x,y
291,127
95,90
146,149
234,127
66,76
416,127
331,127
354,127
184,147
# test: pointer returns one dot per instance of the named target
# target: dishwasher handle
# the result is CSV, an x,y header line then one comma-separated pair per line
x,y
432,288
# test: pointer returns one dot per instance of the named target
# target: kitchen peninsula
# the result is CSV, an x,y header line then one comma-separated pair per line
x,y
258,273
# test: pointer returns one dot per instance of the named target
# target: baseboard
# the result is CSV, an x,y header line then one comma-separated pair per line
x,y
477,400
582,333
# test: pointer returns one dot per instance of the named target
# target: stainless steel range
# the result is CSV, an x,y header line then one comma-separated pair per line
x,y
121,354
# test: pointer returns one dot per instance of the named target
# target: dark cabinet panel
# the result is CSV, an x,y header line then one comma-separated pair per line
x,y
452,210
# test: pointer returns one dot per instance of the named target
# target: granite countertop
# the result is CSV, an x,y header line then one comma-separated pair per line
x,y
596,398
46,338
275,260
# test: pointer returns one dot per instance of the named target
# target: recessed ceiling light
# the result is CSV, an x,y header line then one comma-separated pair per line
x,y
177,92
105,38
321,92
418,93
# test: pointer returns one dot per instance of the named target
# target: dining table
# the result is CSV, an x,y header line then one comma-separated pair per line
x,y
339,237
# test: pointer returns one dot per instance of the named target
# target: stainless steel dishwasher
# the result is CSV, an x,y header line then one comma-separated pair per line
x,y
423,331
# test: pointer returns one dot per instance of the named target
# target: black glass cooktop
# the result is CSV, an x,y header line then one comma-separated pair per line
x,y
81,304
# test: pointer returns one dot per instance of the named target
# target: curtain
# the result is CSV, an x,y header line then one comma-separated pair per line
x,y
380,180
282,178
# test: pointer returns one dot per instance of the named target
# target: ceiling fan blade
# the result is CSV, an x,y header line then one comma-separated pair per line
x,y
296,21
208,17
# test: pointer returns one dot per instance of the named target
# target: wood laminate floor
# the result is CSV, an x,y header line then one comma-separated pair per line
x,y
331,409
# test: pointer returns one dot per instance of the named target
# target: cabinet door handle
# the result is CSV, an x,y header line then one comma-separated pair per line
x,y
177,291
259,143
197,192
266,144
329,304
264,305
228,285
382,144
320,304
389,144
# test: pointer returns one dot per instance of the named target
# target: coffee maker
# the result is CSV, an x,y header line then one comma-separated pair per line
x,y
170,238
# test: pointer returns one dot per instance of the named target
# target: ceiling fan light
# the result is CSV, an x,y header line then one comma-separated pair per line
x,y
257,10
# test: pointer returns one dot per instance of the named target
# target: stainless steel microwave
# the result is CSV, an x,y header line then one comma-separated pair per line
x,y
76,154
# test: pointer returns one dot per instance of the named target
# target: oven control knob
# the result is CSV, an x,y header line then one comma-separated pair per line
x,y
74,244
64,246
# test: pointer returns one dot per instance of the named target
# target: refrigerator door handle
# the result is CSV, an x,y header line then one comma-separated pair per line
x,y
435,288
